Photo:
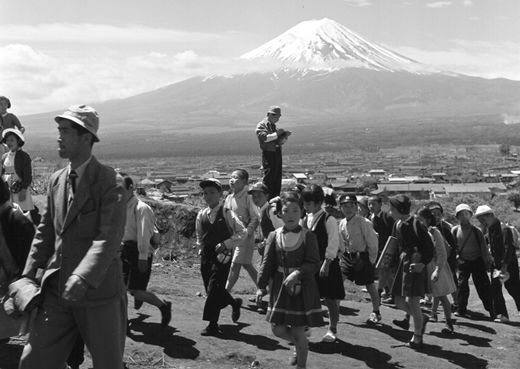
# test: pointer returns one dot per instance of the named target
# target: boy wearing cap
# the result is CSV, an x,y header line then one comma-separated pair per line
x,y
472,259
361,246
219,231
8,120
271,140
504,259
77,246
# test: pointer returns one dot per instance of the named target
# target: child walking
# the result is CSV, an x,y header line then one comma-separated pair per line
x,y
329,278
416,251
291,259
17,170
218,231
439,272
240,202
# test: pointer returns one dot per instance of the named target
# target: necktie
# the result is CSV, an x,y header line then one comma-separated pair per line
x,y
72,180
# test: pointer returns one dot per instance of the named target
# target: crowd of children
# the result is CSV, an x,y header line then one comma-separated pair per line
x,y
306,254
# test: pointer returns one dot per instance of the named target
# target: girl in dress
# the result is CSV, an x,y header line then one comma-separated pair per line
x,y
416,251
329,278
17,170
439,272
291,259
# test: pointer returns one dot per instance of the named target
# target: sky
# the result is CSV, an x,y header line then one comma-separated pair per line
x,y
55,53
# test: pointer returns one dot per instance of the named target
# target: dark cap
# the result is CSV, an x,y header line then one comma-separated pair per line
x,y
258,187
347,198
375,198
401,202
211,182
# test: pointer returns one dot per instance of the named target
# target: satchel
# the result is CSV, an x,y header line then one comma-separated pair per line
x,y
16,187
295,289
23,296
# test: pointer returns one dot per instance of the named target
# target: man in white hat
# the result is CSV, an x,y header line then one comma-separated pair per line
x,y
472,259
504,259
77,246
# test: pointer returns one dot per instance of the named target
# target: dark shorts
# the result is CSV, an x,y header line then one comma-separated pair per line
x,y
134,279
362,277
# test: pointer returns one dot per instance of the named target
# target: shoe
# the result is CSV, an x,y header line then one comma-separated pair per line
x,y
329,337
448,328
138,304
235,315
364,289
252,299
374,318
459,314
405,323
415,345
425,301
211,331
434,317
501,319
388,300
454,308
294,359
425,320
261,310
325,313
166,312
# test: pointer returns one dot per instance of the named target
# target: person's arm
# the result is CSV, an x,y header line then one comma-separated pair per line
x,y
25,166
262,132
42,247
198,230
237,228
17,123
371,239
254,218
144,222
331,252
509,247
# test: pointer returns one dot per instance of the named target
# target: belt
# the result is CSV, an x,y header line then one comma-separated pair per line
x,y
283,270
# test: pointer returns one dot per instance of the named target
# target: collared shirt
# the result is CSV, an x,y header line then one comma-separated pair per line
x,y
331,252
358,235
242,204
232,220
139,226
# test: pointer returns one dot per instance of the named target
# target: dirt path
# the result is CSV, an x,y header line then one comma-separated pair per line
x,y
477,342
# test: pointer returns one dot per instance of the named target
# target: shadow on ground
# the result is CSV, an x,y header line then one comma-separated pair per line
x,y
177,347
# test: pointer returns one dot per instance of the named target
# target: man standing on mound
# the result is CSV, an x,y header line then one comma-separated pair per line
x,y
271,140
77,246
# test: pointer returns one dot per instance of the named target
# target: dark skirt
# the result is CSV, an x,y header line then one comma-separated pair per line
x,y
409,284
301,310
331,286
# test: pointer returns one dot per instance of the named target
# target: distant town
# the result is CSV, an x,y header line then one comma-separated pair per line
x,y
422,172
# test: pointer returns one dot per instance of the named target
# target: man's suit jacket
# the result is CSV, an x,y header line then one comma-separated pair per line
x,y
85,239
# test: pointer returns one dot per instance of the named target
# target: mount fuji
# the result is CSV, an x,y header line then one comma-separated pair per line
x,y
328,81
320,44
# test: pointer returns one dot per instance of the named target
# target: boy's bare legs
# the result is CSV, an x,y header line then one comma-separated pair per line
x,y
250,268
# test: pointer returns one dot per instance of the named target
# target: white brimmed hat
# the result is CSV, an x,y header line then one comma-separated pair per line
x,y
12,130
83,115
483,209
462,207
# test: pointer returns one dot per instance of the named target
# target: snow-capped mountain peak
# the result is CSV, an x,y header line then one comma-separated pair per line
x,y
326,43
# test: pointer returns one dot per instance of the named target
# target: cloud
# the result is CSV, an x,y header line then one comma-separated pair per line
x,y
468,3
38,82
481,59
357,3
440,4
98,33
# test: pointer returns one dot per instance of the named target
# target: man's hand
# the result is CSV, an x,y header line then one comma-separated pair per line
x,y
75,288
324,270
142,266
